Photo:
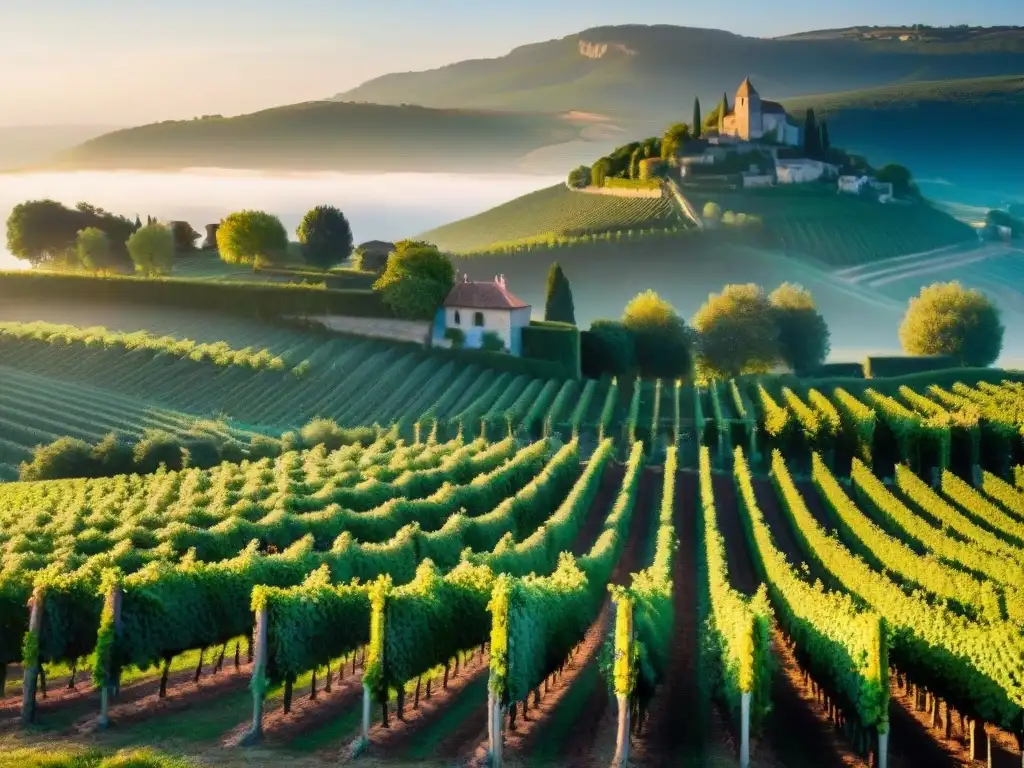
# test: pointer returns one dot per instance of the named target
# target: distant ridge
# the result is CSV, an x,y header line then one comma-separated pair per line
x,y
653,72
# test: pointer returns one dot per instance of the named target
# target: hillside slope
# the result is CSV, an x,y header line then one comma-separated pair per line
x,y
552,212
327,135
958,132
808,222
659,69
24,144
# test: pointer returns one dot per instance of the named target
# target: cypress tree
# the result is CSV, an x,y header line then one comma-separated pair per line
x,y
697,124
138,223
722,111
812,139
558,304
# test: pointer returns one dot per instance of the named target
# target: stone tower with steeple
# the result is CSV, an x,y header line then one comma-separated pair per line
x,y
747,108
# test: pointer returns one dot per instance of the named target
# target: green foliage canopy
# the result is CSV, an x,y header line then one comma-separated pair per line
x,y
92,247
948,319
662,342
737,332
41,231
326,236
249,237
804,338
417,279
152,249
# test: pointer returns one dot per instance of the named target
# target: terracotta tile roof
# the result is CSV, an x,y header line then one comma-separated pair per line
x,y
490,295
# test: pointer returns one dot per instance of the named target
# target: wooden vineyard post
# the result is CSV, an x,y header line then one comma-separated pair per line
x,y
495,721
622,673
112,611
35,624
259,671
978,741
745,729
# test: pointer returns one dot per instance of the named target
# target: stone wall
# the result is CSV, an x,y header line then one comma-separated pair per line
x,y
620,191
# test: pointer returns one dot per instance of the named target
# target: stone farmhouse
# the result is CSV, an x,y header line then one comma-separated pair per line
x,y
752,118
476,308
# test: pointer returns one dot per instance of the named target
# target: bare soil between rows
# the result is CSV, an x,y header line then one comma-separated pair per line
x,y
578,749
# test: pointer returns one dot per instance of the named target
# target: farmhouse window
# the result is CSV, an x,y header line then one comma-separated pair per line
x,y
478,319
458,318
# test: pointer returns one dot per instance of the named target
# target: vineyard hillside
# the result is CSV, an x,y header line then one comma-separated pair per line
x,y
550,213
463,591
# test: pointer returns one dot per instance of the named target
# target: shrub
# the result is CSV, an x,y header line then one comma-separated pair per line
x,y
456,336
490,341
607,348
113,456
554,341
327,433
158,447
65,457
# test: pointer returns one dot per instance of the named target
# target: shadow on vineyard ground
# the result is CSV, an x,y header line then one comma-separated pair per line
x,y
550,732
797,734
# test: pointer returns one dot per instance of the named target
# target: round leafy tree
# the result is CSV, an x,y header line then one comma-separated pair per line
x,y
250,237
660,337
948,319
92,246
737,332
152,249
326,237
804,338
417,279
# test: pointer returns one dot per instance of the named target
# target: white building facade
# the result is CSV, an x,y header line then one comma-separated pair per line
x,y
477,308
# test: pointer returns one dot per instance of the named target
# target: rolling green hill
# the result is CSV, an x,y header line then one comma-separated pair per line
x,y
326,135
550,213
949,132
806,221
653,72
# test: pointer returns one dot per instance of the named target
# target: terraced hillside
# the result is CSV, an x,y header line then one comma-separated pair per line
x,y
840,230
378,597
550,213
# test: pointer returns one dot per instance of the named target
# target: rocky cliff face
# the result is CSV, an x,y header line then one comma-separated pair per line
x,y
600,50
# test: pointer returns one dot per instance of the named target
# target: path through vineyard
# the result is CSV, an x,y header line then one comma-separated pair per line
x,y
680,723
796,733
563,741
554,734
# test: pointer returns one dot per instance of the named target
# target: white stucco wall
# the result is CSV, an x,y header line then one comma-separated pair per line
x,y
497,320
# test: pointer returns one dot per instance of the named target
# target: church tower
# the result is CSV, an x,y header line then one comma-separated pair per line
x,y
747,108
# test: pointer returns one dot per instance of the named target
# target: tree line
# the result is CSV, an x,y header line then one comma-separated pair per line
x,y
47,233
744,330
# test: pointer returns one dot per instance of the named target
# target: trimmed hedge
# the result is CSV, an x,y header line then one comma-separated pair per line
x,y
553,342
883,367
252,299
834,370
336,280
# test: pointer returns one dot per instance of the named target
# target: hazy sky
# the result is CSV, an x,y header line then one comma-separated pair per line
x,y
132,61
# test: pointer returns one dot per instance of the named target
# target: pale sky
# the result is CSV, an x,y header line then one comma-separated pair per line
x,y
124,62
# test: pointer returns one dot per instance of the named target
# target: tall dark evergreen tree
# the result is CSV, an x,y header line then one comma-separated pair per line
x,y
812,138
826,144
723,111
138,223
558,304
697,123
